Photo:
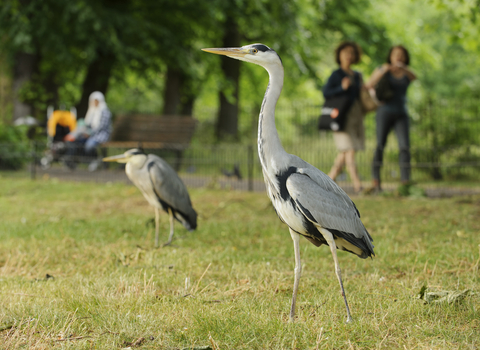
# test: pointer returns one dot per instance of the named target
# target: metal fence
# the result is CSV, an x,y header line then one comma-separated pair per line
x,y
445,139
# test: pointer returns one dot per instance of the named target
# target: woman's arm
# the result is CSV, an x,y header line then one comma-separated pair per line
x,y
333,86
409,73
377,74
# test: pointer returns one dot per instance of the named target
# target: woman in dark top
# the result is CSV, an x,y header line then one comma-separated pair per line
x,y
346,81
392,114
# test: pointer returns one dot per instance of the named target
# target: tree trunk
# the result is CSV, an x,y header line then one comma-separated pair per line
x,y
97,78
188,94
24,67
171,95
5,87
186,107
227,122
178,96
51,89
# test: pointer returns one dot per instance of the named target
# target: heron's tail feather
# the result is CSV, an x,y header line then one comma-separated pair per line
x,y
362,247
189,221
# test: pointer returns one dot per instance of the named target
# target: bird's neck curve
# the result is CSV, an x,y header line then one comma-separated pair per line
x,y
270,150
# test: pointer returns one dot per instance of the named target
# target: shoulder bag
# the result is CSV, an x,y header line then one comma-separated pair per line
x,y
334,113
369,104
383,89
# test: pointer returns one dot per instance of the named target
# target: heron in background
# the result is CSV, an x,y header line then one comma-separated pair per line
x,y
161,187
307,200
234,173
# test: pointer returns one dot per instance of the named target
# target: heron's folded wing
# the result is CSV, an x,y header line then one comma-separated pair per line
x,y
168,186
324,203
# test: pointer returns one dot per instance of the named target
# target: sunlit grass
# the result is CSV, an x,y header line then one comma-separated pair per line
x,y
227,285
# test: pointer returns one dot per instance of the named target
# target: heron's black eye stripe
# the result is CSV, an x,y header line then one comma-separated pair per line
x,y
261,47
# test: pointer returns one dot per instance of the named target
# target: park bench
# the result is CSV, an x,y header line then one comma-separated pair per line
x,y
157,132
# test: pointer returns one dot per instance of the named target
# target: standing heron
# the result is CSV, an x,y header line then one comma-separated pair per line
x,y
161,187
307,200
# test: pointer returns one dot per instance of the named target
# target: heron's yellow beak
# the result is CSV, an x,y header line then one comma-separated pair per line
x,y
229,51
121,158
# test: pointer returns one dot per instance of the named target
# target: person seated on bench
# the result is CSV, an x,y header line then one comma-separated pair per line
x,y
95,131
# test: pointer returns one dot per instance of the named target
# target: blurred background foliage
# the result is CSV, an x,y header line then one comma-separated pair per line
x,y
13,146
145,55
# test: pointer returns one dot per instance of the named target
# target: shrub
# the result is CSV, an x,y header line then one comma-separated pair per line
x,y
14,146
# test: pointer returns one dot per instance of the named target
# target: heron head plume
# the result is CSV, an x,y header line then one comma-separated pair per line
x,y
255,53
129,155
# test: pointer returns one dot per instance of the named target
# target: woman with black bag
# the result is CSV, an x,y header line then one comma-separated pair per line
x,y
347,82
391,82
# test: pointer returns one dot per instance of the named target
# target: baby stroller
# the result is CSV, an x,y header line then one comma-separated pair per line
x,y
60,123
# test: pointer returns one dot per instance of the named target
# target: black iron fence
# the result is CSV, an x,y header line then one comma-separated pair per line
x,y
445,148
445,139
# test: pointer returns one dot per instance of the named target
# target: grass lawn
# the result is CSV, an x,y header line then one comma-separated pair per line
x,y
227,285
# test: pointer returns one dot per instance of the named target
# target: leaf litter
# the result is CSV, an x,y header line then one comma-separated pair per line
x,y
443,296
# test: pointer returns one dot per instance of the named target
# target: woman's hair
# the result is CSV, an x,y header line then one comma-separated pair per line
x,y
405,52
356,49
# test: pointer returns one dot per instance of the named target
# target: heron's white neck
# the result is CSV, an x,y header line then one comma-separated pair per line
x,y
137,161
270,150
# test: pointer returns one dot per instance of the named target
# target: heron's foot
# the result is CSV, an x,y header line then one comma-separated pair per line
x,y
349,319
169,243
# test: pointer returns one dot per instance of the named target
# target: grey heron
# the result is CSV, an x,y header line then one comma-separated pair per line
x,y
307,200
161,187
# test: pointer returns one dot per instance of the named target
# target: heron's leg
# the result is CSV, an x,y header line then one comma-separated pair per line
x,y
298,271
170,237
333,248
157,225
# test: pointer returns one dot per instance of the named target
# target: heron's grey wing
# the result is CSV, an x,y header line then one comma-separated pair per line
x,y
168,186
324,203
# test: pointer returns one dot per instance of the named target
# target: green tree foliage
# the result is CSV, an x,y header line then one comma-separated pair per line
x,y
304,33
99,38
146,53
442,38
66,37
13,146
442,41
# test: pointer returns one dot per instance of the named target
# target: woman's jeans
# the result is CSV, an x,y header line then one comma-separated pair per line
x,y
91,147
386,121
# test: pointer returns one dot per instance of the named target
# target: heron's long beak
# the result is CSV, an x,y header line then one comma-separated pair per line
x,y
121,158
234,52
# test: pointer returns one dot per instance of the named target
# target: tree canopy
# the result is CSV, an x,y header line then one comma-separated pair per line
x,y
146,54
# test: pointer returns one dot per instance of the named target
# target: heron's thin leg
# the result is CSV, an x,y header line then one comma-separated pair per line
x,y
298,271
333,248
170,237
157,225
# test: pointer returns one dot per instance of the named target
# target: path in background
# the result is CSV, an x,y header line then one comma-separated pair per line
x,y
229,183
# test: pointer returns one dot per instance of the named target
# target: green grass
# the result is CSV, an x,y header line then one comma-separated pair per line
x,y
110,286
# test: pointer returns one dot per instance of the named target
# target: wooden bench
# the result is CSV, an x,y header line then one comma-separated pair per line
x,y
154,132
